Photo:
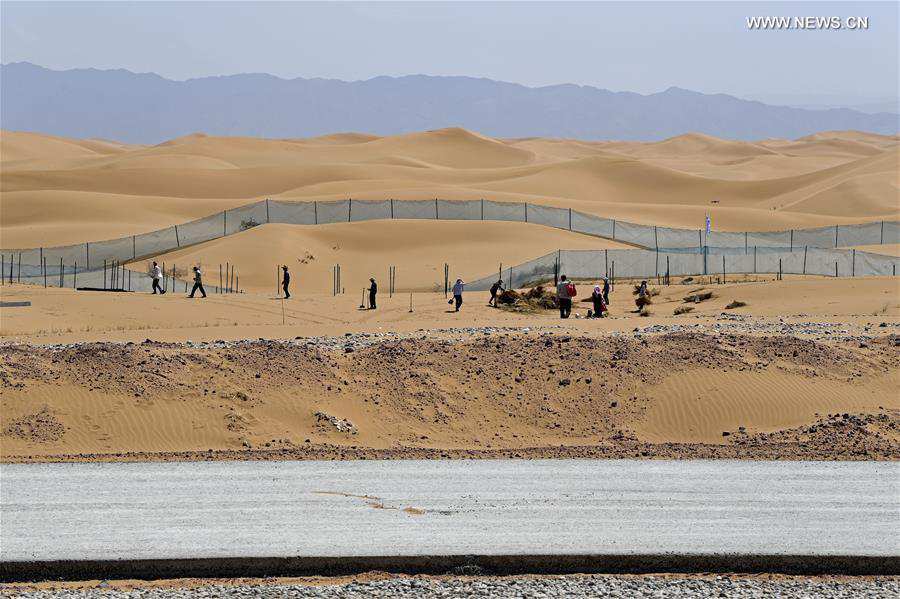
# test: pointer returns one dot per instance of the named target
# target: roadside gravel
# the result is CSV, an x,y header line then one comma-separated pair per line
x,y
510,587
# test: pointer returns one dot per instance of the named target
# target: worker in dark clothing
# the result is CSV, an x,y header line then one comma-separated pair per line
x,y
606,291
496,288
286,282
198,283
373,291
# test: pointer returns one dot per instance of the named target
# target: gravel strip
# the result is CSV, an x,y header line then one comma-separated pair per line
x,y
536,587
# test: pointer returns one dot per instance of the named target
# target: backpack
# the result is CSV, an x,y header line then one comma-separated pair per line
x,y
570,290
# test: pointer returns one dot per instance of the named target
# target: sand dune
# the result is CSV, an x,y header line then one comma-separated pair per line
x,y
55,191
418,249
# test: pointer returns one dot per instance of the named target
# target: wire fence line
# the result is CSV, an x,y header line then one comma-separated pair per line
x,y
649,264
86,259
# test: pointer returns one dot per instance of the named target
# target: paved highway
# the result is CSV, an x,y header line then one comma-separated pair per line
x,y
395,508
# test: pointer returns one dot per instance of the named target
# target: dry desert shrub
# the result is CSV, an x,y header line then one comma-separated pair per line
x,y
698,296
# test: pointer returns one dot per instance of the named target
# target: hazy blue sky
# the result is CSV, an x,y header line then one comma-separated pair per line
x,y
638,46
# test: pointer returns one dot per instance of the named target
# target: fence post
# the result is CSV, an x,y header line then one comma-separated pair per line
x,y
853,264
392,208
19,269
316,211
104,274
614,229
60,273
779,269
526,211
482,215
668,280
3,268
805,251
881,238
835,269
745,243
656,238
350,210
754,259
570,219
177,239
700,236
446,277
436,216
75,276
267,210
224,223
835,236
792,240
606,263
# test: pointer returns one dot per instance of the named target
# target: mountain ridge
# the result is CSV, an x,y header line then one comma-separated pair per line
x,y
147,108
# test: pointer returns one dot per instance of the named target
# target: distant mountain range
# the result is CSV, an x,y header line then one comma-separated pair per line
x,y
147,108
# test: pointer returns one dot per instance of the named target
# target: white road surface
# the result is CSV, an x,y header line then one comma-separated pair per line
x,y
408,508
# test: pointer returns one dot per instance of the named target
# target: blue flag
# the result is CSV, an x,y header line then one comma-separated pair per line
x,y
707,224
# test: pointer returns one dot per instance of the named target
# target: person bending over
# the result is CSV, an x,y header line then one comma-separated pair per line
x,y
496,289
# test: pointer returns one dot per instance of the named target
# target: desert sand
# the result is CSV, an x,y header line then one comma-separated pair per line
x,y
484,382
806,368
56,191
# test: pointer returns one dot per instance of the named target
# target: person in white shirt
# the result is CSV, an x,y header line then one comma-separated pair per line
x,y
156,275
458,288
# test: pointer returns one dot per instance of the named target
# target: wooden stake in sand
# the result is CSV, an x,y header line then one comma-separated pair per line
x,y
410,303
282,310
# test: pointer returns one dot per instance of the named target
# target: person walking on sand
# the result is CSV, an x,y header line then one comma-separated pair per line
x,y
198,282
373,291
286,282
565,291
458,288
156,275
496,288
597,300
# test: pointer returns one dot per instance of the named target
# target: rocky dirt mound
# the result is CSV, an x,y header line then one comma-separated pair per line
x,y
487,394
40,427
